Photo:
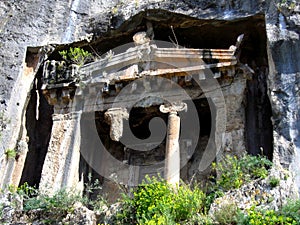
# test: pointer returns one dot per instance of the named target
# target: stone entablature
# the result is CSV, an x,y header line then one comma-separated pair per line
x,y
109,75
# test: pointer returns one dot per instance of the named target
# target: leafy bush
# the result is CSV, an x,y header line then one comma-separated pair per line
x,y
262,217
200,219
156,202
227,214
76,55
292,209
53,207
61,201
210,197
233,172
274,182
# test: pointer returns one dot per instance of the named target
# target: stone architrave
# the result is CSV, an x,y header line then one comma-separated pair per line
x,y
172,158
115,117
61,167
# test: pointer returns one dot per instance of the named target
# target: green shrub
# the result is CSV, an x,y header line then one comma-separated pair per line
x,y
210,197
76,55
274,182
62,201
227,214
53,208
255,166
199,219
26,191
292,209
262,217
233,172
156,202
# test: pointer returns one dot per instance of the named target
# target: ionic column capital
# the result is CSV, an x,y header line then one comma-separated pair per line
x,y
173,108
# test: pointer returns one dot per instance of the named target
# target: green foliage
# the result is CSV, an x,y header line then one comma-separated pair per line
x,y
227,214
288,4
210,197
274,182
26,191
156,202
10,153
262,217
233,172
99,203
76,55
292,209
53,207
199,219
61,201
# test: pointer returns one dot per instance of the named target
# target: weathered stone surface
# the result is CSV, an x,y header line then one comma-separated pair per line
x,y
81,216
61,167
10,203
260,193
12,213
115,117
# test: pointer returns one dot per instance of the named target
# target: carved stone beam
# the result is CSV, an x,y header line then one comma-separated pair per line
x,y
172,162
115,117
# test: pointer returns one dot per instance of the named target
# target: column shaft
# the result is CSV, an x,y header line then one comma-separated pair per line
x,y
172,165
61,166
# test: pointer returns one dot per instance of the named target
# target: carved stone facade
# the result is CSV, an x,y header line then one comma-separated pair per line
x,y
144,77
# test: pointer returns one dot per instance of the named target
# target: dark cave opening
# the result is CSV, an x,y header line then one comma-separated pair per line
x,y
38,126
39,133
139,124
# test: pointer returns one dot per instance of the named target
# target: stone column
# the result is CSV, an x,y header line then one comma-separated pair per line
x,y
115,117
172,158
61,166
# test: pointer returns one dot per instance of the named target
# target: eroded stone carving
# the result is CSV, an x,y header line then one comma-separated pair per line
x,y
115,117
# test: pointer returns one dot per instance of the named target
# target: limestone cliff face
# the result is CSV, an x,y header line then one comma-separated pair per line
x,y
35,23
